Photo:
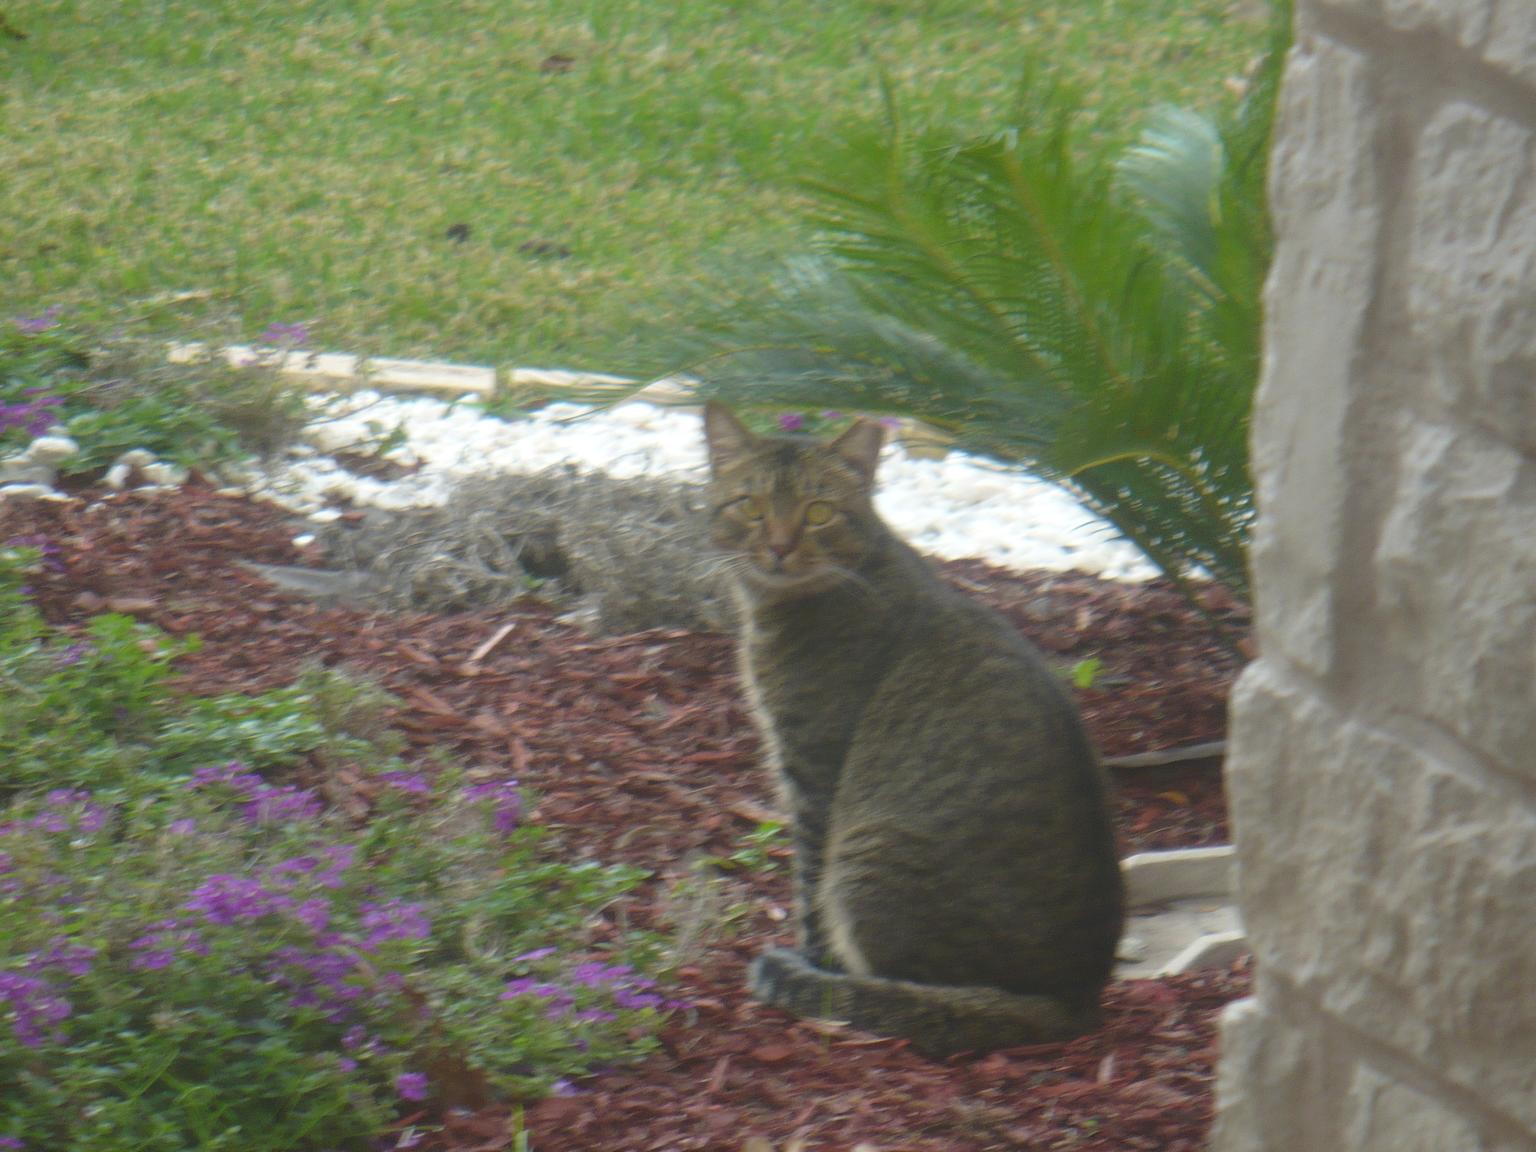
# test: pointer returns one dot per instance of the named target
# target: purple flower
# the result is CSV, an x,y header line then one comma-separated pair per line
x,y
50,822
506,806
159,947
232,775
11,1142
411,1085
393,920
33,416
74,654
560,1000
34,1008
536,954
889,421
346,1064
412,782
831,414
341,857
92,818
323,980
44,320
74,959
629,998
313,914
594,973
281,805
183,827
285,335
39,543
57,816
791,421
224,899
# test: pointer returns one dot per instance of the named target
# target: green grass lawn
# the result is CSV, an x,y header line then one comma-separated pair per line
x,y
497,181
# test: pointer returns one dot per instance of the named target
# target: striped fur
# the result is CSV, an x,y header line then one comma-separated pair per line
x,y
956,877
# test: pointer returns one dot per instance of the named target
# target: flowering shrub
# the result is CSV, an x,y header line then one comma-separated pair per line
x,y
219,955
195,955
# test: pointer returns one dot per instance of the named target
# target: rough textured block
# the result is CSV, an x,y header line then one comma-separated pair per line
x,y
1512,40
1283,1086
1278,1089
1502,32
1388,1116
1455,573
1397,891
1383,749
1317,299
1472,266
1465,21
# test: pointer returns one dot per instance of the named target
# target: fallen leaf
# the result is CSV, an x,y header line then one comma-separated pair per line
x,y
772,1053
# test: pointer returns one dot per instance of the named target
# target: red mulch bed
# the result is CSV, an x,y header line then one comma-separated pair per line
x,y
639,750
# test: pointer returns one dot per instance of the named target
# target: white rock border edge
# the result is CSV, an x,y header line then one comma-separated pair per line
x,y
332,370
344,371
1178,874
1153,879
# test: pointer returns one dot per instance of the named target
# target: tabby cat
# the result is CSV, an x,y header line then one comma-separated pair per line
x,y
956,880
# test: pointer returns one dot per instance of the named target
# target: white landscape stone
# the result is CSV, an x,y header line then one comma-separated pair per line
x,y
954,507
38,463
30,492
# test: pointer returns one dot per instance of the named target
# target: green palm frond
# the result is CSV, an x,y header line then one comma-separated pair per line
x,y
1095,323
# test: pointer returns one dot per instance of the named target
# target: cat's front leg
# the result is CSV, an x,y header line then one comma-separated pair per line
x,y
809,840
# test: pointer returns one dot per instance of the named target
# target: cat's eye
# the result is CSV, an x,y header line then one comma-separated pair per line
x,y
818,512
752,507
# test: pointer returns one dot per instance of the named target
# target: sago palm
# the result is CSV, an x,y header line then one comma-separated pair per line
x,y
1095,323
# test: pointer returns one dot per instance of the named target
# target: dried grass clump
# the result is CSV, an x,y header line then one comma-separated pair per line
x,y
622,555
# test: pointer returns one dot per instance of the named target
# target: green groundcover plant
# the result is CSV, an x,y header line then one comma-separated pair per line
x,y
98,711
111,388
205,958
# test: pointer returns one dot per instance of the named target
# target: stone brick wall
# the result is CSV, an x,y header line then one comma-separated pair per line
x,y
1383,761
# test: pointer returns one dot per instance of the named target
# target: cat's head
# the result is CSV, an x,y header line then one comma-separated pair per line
x,y
794,512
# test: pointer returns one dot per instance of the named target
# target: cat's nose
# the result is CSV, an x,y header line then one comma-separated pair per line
x,y
781,548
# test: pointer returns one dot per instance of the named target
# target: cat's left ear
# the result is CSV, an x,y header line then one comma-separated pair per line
x,y
859,444
726,436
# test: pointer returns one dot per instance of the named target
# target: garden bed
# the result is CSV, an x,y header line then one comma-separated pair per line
x,y
638,750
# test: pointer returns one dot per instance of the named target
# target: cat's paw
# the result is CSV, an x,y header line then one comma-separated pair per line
x,y
772,971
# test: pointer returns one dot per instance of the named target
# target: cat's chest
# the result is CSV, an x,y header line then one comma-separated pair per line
x,y
807,689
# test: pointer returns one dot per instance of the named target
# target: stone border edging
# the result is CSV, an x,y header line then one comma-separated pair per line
x,y
333,370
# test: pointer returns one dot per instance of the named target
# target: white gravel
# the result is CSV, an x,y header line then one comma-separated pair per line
x,y
959,506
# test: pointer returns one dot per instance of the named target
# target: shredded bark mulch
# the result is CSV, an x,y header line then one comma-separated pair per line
x,y
638,749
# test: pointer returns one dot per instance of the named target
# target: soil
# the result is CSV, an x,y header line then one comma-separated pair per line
x,y
637,749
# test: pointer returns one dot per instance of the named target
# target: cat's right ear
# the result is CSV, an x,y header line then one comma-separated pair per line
x,y
727,437
860,445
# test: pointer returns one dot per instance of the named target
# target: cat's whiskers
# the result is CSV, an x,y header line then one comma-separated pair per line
x,y
850,579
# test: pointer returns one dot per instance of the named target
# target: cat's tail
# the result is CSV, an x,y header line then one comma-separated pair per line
x,y
939,1019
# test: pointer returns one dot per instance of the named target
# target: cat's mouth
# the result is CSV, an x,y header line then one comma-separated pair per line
x,y
784,572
